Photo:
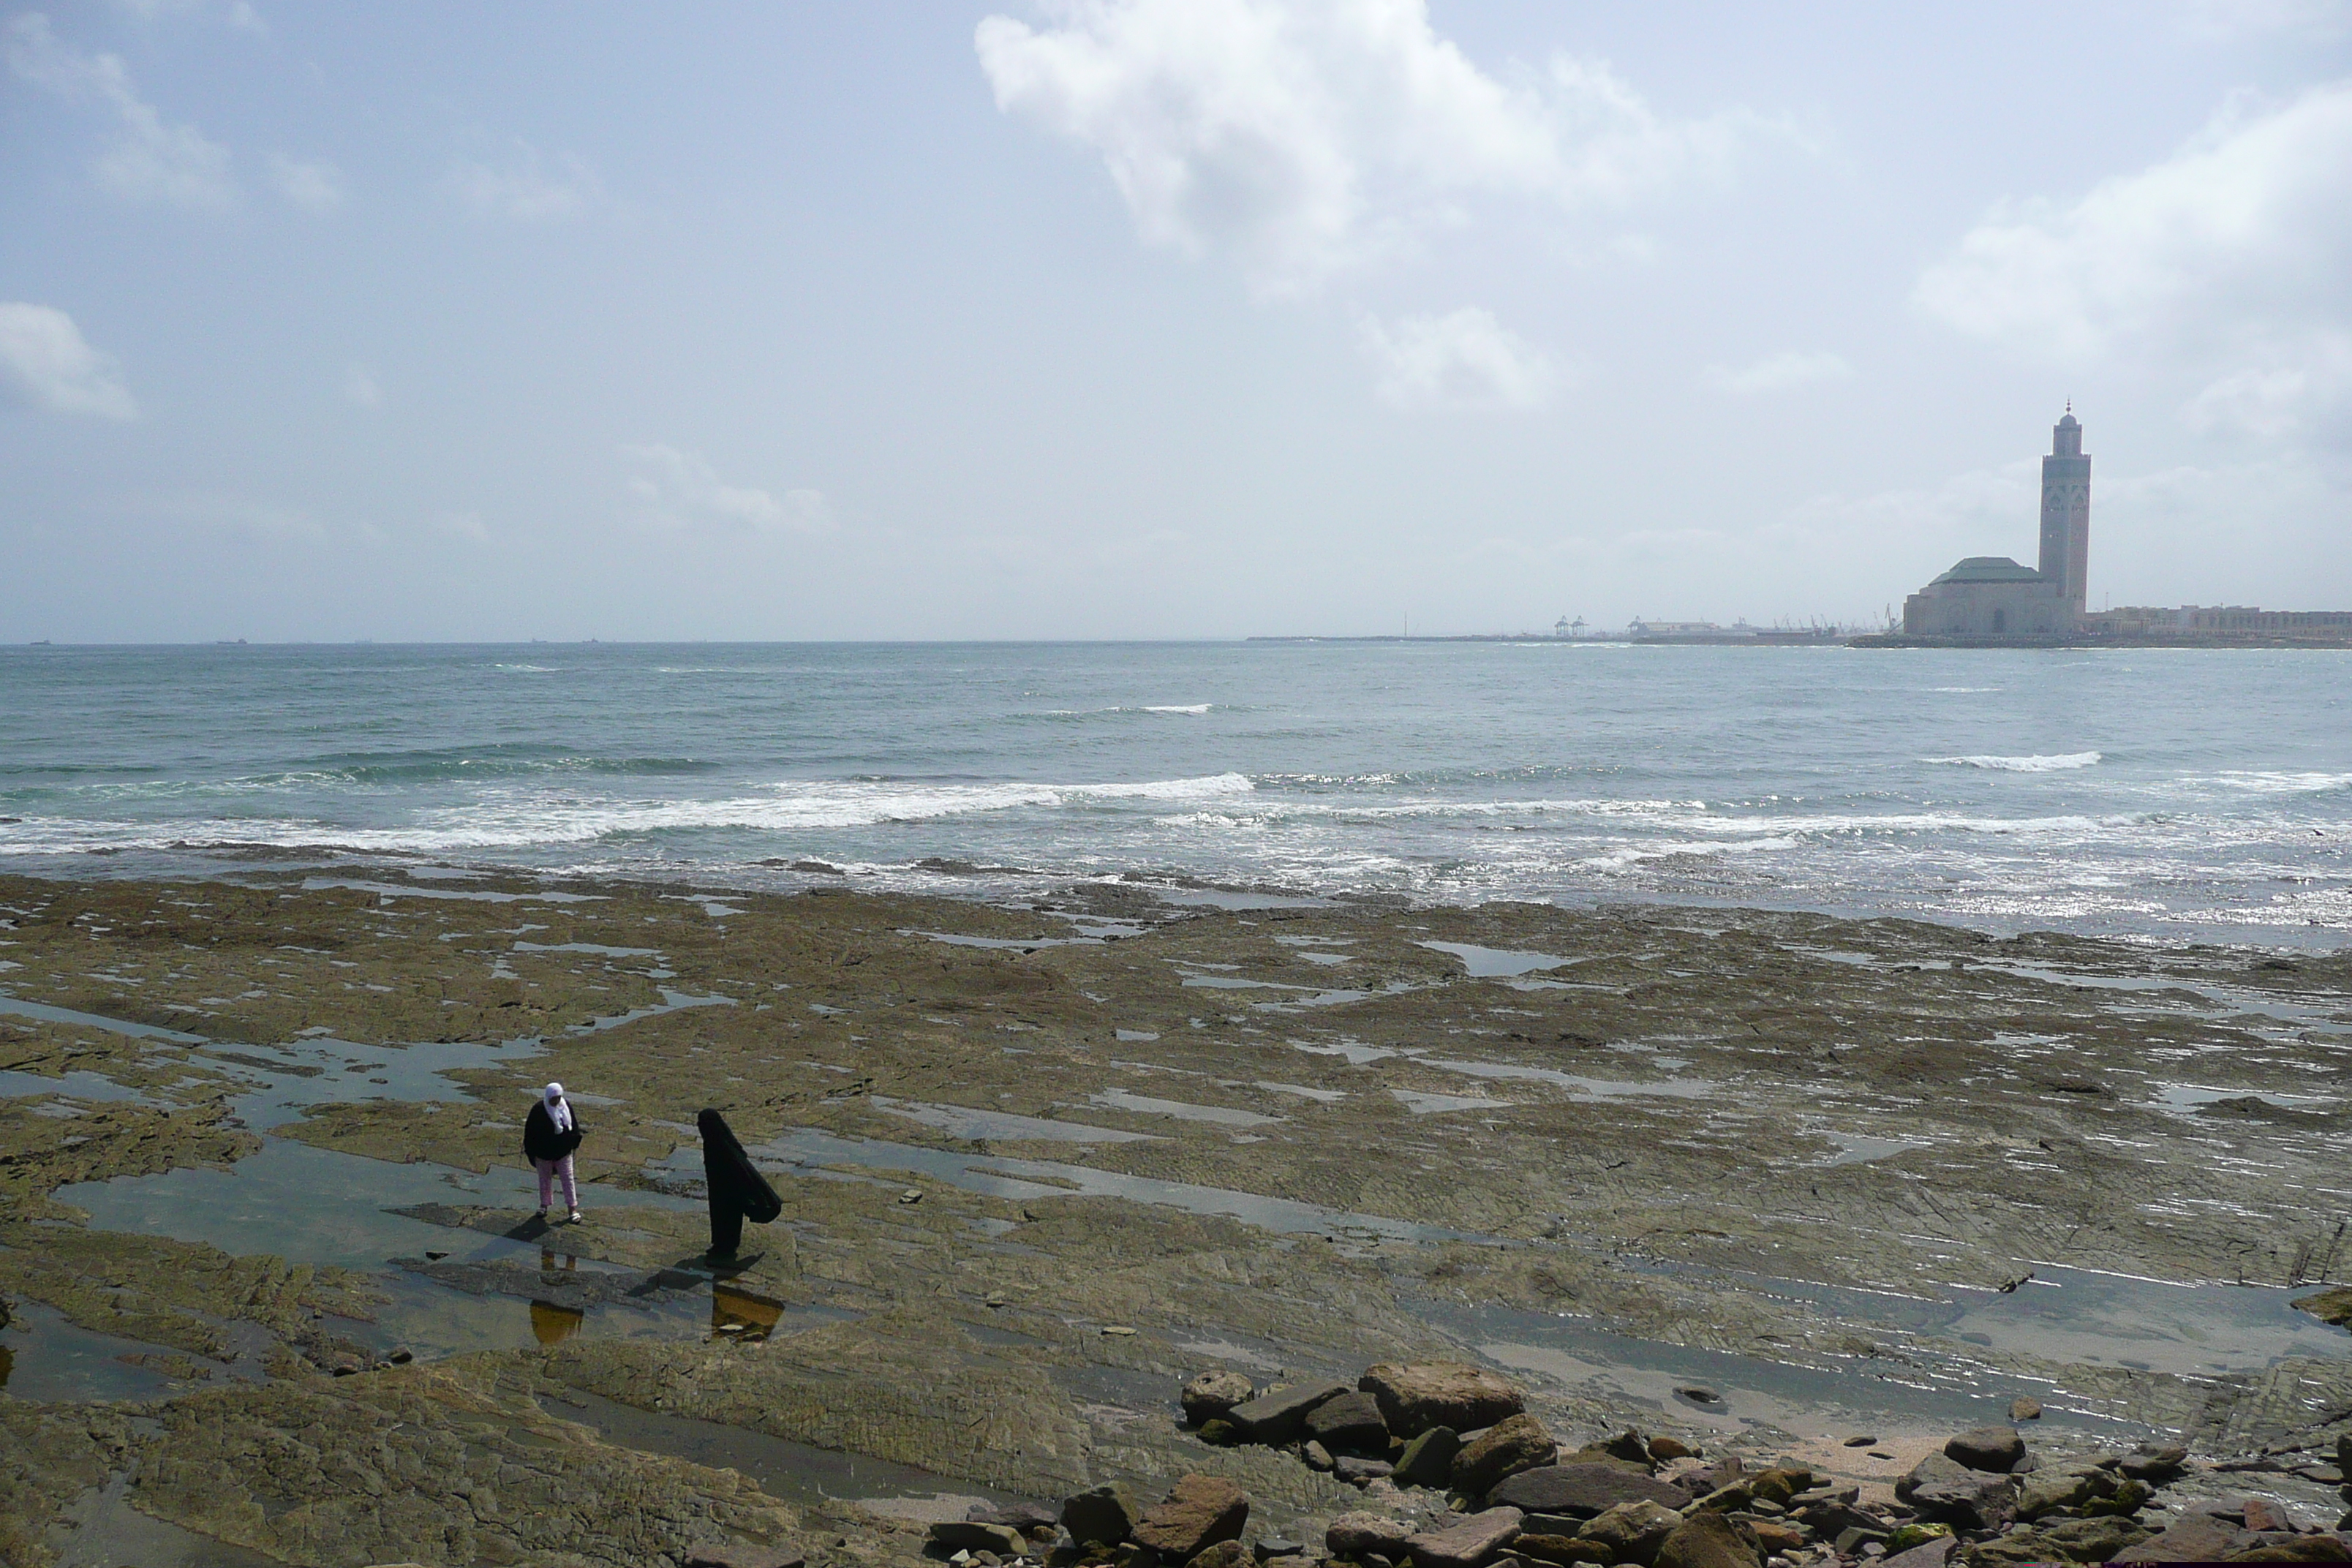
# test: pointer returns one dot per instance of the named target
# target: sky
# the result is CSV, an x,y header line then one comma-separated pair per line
x,y
1154,318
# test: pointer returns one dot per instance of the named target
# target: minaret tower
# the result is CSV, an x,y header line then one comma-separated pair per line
x,y
2066,514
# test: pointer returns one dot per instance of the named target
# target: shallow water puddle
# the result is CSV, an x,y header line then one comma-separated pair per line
x,y
1181,1111
1425,1104
964,1121
87,1086
42,1357
1497,963
106,1531
795,1472
46,1014
806,1148
1596,1087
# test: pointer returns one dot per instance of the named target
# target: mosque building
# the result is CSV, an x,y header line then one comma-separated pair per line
x,y
1992,596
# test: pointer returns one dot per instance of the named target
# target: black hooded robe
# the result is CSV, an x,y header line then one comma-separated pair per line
x,y
541,1141
737,1188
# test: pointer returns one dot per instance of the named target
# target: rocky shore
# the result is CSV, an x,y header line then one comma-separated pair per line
x,y
1705,1192
1457,1473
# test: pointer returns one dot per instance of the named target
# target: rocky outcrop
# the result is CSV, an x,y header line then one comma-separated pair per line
x,y
1197,1512
1214,1394
1467,1542
1583,1491
1279,1414
1510,1446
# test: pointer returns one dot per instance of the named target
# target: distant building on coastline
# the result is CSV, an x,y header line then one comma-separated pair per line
x,y
1992,599
1992,596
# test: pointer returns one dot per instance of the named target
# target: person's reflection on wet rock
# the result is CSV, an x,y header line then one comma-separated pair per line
x,y
737,1189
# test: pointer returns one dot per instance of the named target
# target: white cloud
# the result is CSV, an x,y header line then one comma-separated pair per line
x,y
313,184
44,362
237,14
1306,137
153,160
358,385
1779,373
1464,359
678,490
529,187
2230,261
2206,20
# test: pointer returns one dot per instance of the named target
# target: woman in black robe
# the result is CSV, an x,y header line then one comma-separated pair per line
x,y
737,1188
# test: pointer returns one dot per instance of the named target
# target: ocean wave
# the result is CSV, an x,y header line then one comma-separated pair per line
x,y
1178,708
514,820
2284,782
2060,762
528,669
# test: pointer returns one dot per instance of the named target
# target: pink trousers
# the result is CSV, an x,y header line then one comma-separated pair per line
x,y
548,1171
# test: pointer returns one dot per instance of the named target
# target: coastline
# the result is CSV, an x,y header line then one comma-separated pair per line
x,y
1615,1151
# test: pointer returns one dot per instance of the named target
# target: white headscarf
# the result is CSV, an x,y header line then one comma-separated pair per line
x,y
558,1110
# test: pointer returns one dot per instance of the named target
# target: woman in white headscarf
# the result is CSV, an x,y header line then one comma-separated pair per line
x,y
550,1134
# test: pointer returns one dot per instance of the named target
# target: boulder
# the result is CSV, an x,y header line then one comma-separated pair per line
x,y
1775,1536
1197,1512
1468,1542
1107,1513
2091,1540
1024,1517
1213,1394
1349,1423
1428,1458
2185,1540
1357,1469
1218,1432
2024,1409
1942,1488
1357,1534
2332,1305
1563,1550
2054,1492
1781,1483
2156,1462
1514,1444
2128,1496
1933,1553
971,1535
744,1557
2261,1514
1279,1414
1993,1448
1663,1449
1708,1541
1413,1398
1632,1532
2295,1549
1267,1548
1222,1554
1317,1456
1583,1491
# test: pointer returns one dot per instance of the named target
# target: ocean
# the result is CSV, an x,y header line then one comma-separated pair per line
x,y
2152,794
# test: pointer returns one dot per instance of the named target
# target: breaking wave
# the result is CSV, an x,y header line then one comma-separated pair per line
x,y
2062,763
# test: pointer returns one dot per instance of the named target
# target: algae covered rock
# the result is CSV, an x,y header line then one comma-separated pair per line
x,y
1213,1394
1105,1513
1349,1423
1708,1541
1632,1532
1468,1542
1581,1491
1357,1534
1510,1446
1993,1448
1428,1459
1279,1414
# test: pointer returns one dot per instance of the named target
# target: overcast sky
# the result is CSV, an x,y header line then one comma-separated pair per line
x,y
1157,318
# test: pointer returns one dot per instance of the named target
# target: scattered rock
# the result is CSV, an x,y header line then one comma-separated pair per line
x,y
1860,1442
1218,1432
1563,1550
1198,1511
743,1557
2186,1540
1665,1450
971,1535
1213,1394
1776,1536
1222,1554
1357,1469
1632,1532
1317,1456
1359,1535
2024,1409
1708,1541
1279,1414
2155,1462
2052,1492
1993,1448
1781,1483
1512,1444
1698,1394
2262,1513
1933,1553
1428,1458
1582,1491
1268,1547
1416,1397
1468,1542
1939,1488
1024,1517
1349,1423
1107,1513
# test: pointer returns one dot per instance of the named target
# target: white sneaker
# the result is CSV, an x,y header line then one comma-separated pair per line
x,y
572,1218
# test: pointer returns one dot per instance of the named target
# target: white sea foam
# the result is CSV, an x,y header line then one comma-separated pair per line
x,y
2060,762
1178,708
507,820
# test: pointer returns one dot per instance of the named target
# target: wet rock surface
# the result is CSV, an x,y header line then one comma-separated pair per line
x,y
1026,1183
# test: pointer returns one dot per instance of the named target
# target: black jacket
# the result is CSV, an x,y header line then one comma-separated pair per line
x,y
734,1182
541,1141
